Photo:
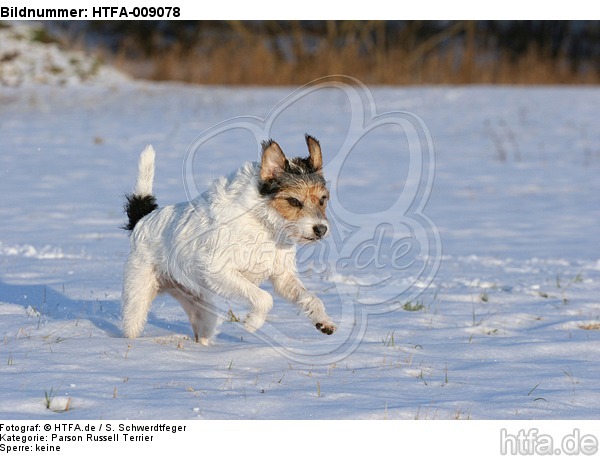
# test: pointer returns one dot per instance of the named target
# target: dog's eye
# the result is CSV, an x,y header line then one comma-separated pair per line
x,y
294,202
323,200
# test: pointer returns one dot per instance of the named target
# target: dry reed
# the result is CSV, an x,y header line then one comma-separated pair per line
x,y
362,49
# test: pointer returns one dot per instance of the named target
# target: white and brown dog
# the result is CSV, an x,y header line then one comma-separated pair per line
x,y
227,241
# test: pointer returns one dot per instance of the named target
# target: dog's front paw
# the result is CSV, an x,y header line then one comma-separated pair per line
x,y
326,328
253,322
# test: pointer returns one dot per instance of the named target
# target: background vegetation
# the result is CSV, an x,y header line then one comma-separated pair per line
x,y
376,52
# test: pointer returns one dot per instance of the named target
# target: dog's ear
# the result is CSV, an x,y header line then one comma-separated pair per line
x,y
273,161
314,149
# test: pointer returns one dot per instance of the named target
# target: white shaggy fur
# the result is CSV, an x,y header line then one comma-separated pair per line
x,y
143,186
223,243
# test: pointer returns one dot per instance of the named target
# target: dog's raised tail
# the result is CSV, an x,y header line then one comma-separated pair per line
x,y
141,202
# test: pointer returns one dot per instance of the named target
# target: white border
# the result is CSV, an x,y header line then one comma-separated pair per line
x,y
359,437
365,10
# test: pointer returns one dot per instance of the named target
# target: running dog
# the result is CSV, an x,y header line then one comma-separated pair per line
x,y
224,243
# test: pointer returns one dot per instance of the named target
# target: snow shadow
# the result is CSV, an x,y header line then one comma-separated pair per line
x,y
55,305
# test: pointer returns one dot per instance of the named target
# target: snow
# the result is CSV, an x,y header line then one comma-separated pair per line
x,y
496,316
26,58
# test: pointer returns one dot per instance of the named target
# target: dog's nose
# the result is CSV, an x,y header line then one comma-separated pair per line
x,y
320,230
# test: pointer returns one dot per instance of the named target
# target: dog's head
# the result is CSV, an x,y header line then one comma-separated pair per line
x,y
296,190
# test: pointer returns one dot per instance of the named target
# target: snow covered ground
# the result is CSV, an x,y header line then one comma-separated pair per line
x,y
498,317
30,55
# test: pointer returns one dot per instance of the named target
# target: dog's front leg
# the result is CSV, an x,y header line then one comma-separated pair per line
x,y
231,284
289,286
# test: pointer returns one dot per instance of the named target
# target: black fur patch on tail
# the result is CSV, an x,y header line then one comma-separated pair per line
x,y
137,207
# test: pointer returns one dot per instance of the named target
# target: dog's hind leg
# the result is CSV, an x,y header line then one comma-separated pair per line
x,y
140,287
201,314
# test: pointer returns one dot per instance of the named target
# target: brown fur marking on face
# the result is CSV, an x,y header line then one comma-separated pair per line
x,y
277,172
309,194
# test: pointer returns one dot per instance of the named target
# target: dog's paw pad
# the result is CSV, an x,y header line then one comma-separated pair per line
x,y
326,328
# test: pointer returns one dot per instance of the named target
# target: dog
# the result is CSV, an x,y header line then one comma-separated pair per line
x,y
224,243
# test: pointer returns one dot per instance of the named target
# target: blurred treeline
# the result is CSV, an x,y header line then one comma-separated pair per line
x,y
376,52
